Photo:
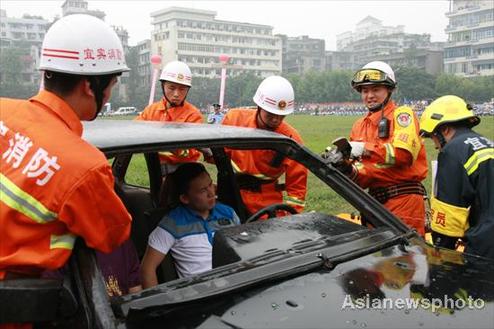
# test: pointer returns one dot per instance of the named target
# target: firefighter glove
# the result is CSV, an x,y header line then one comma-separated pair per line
x,y
358,149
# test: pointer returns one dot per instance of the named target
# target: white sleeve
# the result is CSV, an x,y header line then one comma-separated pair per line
x,y
161,240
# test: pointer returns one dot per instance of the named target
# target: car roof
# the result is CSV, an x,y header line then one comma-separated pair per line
x,y
112,135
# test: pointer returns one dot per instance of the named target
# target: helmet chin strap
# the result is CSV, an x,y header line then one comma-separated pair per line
x,y
98,84
380,106
440,137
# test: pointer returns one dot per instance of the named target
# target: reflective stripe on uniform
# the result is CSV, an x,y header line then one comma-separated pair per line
x,y
294,200
237,170
24,203
480,156
65,241
390,154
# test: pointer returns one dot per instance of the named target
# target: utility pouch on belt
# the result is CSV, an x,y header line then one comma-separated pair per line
x,y
383,194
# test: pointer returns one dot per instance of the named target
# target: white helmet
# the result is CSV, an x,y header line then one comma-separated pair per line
x,y
82,44
275,95
383,75
177,72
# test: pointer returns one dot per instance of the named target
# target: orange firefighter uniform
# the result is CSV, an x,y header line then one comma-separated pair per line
x,y
54,187
396,163
161,111
264,166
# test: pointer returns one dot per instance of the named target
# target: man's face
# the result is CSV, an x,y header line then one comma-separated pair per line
x,y
175,93
201,194
269,121
373,95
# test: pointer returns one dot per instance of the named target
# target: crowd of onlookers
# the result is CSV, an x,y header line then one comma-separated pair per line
x,y
354,108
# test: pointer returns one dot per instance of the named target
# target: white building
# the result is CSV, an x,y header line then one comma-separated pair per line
x,y
144,62
25,34
371,40
197,38
369,26
30,29
80,7
470,47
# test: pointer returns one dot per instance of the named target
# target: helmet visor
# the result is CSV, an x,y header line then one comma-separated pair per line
x,y
369,75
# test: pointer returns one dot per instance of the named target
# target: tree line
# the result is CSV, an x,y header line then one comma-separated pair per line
x,y
311,87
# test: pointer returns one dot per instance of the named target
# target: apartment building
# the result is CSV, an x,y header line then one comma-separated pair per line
x,y
197,38
144,67
469,51
25,34
371,41
301,54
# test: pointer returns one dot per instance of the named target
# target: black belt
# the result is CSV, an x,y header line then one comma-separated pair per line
x,y
383,194
17,275
254,184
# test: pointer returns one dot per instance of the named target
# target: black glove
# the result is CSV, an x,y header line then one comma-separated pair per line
x,y
335,158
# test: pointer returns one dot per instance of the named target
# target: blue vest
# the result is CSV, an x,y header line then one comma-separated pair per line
x,y
182,221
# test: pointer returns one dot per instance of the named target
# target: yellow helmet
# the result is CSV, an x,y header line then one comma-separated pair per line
x,y
446,109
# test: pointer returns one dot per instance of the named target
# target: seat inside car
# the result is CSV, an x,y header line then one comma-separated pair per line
x,y
166,271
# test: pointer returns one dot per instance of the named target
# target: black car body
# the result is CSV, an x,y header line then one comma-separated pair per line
x,y
309,270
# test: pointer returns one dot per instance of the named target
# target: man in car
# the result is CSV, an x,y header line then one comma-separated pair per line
x,y
462,203
176,80
54,185
258,171
392,160
187,231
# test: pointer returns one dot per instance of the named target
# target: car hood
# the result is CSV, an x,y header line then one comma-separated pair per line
x,y
394,287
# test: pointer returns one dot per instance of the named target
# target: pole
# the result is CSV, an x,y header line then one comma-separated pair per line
x,y
224,60
155,62
222,86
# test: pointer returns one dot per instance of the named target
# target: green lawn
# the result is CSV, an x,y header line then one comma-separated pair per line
x,y
318,132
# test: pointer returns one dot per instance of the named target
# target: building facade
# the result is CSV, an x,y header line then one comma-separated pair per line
x,y
372,41
197,38
144,66
301,54
80,7
26,36
340,60
428,60
469,51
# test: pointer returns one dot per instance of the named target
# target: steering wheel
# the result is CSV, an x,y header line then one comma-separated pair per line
x,y
271,211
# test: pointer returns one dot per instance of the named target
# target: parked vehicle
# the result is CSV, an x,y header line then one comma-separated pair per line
x,y
307,270
126,110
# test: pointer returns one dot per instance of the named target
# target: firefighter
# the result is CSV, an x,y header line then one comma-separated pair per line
x,y
392,160
258,171
54,185
462,203
176,80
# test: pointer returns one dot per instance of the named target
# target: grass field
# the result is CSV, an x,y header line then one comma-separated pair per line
x,y
318,132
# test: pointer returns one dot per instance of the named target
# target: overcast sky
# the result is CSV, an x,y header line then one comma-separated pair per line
x,y
318,19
